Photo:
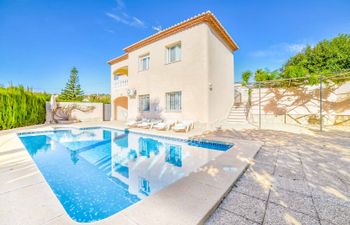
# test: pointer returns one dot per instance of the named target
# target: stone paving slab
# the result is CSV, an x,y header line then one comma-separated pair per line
x,y
223,217
337,212
288,172
310,182
32,205
295,201
252,188
294,185
244,205
279,215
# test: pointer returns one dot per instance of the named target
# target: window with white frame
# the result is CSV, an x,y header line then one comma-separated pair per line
x,y
174,53
144,62
173,101
144,105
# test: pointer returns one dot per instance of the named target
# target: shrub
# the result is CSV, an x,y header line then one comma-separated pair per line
x,y
21,107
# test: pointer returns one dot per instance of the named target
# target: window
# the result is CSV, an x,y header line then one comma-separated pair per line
x,y
174,53
173,154
173,101
144,62
144,186
144,103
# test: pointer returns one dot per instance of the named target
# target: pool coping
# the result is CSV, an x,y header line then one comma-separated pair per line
x,y
189,200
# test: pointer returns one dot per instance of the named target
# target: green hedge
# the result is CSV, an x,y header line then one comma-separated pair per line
x,y
21,107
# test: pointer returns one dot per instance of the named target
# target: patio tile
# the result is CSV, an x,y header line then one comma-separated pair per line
x,y
6,167
329,190
265,157
246,206
322,178
20,177
39,198
61,220
325,222
289,154
253,188
290,172
295,185
279,215
261,168
292,200
223,217
331,210
292,164
271,150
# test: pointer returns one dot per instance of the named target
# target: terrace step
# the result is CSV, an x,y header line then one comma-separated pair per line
x,y
236,120
238,108
237,115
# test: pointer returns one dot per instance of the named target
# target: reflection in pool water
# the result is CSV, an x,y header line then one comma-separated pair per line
x,y
98,172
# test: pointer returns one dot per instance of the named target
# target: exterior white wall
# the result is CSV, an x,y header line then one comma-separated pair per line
x,y
116,92
205,60
188,76
221,78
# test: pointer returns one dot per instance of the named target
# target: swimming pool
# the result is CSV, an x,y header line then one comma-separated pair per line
x,y
97,172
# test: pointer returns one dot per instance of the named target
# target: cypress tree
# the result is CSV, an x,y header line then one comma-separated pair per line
x,y
21,107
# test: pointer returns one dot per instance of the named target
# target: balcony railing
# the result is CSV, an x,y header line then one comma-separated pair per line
x,y
122,83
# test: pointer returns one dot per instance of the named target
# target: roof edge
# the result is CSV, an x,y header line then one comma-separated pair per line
x,y
118,59
206,17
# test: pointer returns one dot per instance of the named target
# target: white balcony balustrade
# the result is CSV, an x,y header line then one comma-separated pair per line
x,y
120,83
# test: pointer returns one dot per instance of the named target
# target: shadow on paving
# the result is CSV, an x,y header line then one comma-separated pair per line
x,y
296,178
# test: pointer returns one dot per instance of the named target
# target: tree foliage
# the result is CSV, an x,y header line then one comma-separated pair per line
x,y
246,75
72,91
325,58
102,98
265,74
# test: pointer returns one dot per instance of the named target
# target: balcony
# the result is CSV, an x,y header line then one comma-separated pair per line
x,y
120,83
120,78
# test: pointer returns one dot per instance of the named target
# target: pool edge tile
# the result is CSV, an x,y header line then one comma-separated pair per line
x,y
171,204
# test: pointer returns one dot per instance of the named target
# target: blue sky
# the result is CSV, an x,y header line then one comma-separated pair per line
x,y
40,41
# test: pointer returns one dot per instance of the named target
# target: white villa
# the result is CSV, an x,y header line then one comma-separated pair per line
x,y
184,72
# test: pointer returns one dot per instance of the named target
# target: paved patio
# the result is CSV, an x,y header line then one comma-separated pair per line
x,y
296,178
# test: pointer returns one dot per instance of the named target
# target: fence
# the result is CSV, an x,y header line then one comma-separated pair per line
x,y
324,102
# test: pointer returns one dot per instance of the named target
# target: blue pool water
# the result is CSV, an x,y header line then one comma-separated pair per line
x,y
98,172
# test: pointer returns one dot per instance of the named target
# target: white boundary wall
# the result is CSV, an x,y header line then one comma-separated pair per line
x,y
95,114
286,105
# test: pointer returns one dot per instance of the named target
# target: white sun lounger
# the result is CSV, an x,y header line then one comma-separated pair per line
x,y
144,123
164,125
148,124
184,126
133,123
